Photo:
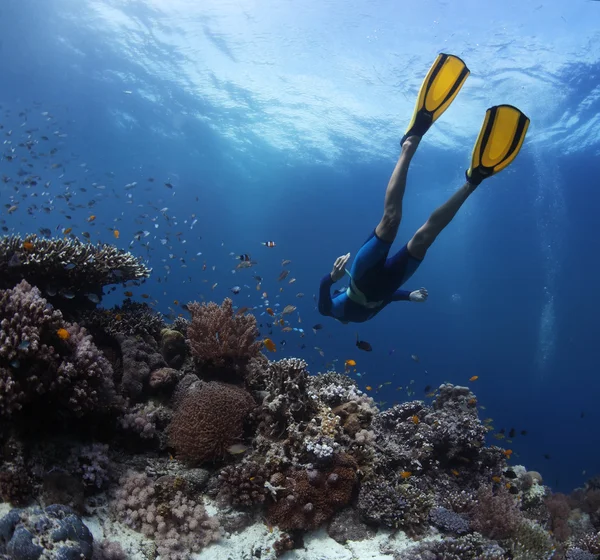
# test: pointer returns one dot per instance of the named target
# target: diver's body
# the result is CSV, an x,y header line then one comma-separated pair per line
x,y
375,278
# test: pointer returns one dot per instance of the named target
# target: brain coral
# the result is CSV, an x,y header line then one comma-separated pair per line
x,y
208,419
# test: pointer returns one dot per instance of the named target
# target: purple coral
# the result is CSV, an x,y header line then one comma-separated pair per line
x,y
67,370
92,462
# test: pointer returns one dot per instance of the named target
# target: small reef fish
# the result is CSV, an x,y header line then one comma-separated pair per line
x,y
268,243
317,327
363,345
63,334
116,233
415,419
350,363
236,289
415,357
288,309
285,262
270,311
283,275
237,448
269,345
91,218
405,475
244,257
474,378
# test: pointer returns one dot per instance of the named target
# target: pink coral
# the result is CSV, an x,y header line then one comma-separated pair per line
x,y
218,338
209,418
495,515
68,371
162,511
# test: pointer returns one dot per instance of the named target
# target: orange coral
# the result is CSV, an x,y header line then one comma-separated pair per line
x,y
219,338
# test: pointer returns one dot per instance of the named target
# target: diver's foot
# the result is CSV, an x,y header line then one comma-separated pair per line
x,y
410,144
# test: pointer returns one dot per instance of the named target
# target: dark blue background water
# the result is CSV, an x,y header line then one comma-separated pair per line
x,y
494,259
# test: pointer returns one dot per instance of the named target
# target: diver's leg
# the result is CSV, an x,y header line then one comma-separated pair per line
x,y
392,210
439,219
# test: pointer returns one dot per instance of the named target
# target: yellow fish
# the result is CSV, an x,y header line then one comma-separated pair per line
x,y
270,345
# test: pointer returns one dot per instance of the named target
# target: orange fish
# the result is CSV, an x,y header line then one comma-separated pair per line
x,y
496,479
118,317
474,378
405,475
349,363
175,302
91,218
269,345
128,294
415,419
270,311
455,472
28,245
116,233
507,453
369,388
63,334
472,402
145,296
67,231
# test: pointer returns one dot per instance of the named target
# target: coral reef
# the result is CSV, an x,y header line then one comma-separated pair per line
x,y
173,347
306,498
162,511
130,319
243,485
220,338
44,359
208,419
55,532
140,359
66,266
495,513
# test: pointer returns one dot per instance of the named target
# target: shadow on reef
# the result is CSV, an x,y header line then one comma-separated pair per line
x,y
112,412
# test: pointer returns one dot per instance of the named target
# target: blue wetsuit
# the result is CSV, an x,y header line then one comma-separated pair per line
x,y
375,282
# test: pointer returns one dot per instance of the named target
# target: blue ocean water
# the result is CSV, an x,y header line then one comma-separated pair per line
x,y
280,122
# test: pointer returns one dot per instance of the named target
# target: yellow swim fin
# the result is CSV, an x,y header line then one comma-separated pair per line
x,y
440,87
499,142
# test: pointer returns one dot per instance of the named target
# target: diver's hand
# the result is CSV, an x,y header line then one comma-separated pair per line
x,y
339,267
419,295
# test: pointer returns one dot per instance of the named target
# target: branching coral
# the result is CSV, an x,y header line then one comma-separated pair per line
x,y
131,319
495,514
43,355
220,338
66,265
286,400
162,510
208,419
394,504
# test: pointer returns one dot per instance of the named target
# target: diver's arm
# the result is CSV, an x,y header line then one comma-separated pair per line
x,y
419,295
401,295
325,303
